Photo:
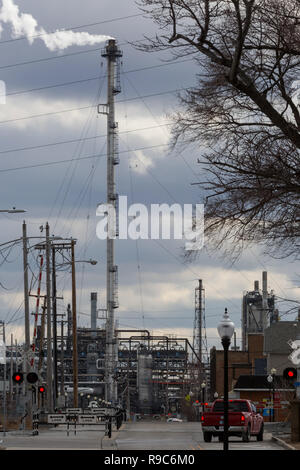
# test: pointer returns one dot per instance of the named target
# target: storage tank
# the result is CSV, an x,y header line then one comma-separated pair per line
x,y
145,383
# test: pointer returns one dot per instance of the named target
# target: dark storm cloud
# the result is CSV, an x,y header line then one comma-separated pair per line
x,y
67,194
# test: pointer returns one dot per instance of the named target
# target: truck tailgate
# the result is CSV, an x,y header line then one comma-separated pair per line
x,y
217,419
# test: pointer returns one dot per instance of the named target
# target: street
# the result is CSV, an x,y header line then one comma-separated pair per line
x,y
86,438
143,435
180,436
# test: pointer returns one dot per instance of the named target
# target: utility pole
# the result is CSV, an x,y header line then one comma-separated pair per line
x,y
62,358
42,335
69,327
54,319
113,54
26,299
49,330
2,324
11,365
28,398
74,327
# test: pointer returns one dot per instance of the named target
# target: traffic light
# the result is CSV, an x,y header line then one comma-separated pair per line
x,y
290,373
32,377
18,377
41,389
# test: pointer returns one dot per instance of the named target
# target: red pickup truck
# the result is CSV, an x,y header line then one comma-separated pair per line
x,y
243,421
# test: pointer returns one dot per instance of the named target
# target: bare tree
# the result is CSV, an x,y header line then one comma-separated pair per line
x,y
244,111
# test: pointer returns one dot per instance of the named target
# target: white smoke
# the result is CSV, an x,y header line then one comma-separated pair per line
x,y
25,25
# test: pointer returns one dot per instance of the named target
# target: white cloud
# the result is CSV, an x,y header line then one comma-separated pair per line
x,y
16,111
140,162
152,131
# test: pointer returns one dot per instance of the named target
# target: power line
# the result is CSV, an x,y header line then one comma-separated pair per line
x,y
72,28
85,80
180,261
32,116
151,173
81,108
79,148
72,141
88,157
154,118
45,59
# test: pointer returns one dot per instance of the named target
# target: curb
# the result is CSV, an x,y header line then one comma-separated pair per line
x,y
282,443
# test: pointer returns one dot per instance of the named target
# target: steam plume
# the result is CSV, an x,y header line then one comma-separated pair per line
x,y
25,25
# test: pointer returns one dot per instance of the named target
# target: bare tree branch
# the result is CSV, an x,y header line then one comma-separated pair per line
x,y
243,111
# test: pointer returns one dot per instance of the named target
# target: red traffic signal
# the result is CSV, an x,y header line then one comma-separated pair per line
x,y
18,377
290,373
42,389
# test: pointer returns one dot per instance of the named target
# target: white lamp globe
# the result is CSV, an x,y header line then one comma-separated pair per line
x,y
226,327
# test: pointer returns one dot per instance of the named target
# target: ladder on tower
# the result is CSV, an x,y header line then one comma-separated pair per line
x,y
114,271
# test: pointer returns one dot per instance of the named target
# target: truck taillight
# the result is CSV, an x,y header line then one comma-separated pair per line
x,y
242,419
202,419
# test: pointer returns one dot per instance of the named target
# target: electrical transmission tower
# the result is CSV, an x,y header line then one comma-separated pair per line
x,y
113,54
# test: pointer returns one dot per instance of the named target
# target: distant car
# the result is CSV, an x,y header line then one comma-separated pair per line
x,y
243,421
177,420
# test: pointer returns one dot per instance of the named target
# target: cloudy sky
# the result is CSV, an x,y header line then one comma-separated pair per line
x,y
53,165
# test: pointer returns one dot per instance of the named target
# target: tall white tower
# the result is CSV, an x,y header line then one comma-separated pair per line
x,y
113,54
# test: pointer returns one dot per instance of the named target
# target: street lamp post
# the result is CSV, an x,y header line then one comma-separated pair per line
x,y
225,330
203,385
74,326
271,380
13,211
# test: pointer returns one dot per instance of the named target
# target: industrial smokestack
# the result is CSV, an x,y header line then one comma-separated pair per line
x,y
93,310
264,298
264,282
274,318
256,286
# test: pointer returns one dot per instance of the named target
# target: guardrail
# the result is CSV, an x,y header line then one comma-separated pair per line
x,y
73,417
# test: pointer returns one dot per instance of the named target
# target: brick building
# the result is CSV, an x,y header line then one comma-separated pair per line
x,y
247,377
272,399
250,362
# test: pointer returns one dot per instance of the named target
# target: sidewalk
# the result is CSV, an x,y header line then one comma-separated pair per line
x,y
281,433
285,441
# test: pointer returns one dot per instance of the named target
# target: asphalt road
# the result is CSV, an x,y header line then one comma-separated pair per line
x,y
180,436
142,435
86,438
